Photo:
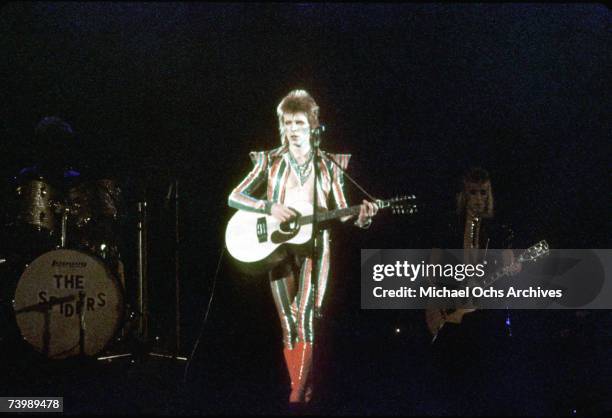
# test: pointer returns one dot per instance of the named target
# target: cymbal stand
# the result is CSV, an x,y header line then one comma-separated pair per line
x,y
63,237
174,186
143,325
142,332
143,344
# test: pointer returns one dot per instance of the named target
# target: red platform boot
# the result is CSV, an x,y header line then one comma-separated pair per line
x,y
291,365
303,365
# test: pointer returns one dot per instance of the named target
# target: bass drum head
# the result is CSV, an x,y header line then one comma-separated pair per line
x,y
48,298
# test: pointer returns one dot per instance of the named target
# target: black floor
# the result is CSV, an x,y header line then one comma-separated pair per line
x,y
370,370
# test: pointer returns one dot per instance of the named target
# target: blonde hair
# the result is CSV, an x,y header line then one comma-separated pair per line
x,y
479,176
294,102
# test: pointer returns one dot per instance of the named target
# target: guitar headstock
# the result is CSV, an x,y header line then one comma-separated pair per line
x,y
399,205
535,252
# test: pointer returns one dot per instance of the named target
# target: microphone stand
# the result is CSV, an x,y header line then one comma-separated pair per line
x,y
316,140
177,240
174,187
81,312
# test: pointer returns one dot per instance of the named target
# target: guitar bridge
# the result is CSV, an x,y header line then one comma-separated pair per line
x,y
262,230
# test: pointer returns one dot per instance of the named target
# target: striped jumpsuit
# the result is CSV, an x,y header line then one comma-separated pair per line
x,y
293,298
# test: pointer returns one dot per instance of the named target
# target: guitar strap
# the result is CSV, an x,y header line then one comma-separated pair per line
x,y
323,154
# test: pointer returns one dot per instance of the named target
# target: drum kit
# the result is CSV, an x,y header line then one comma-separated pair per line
x,y
63,285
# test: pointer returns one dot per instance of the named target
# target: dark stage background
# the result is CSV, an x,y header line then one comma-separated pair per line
x,y
416,92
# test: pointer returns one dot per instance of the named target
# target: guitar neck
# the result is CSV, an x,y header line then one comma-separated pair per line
x,y
323,216
495,276
490,279
533,253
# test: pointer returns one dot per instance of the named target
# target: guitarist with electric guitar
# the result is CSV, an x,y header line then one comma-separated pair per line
x,y
474,228
470,355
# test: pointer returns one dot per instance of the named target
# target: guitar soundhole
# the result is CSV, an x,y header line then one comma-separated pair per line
x,y
286,231
279,237
289,226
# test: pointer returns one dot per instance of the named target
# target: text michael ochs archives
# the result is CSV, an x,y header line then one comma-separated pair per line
x,y
458,272
535,278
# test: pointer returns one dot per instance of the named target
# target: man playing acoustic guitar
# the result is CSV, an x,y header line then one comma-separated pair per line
x,y
287,173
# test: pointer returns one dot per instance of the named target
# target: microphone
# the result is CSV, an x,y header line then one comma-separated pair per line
x,y
317,134
318,130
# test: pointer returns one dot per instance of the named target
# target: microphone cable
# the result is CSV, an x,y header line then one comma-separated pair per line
x,y
212,293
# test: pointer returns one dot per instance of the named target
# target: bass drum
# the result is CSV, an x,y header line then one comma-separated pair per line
x,y
67,303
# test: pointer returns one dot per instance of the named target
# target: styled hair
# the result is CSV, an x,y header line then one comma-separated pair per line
x,y
476,175
294,102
